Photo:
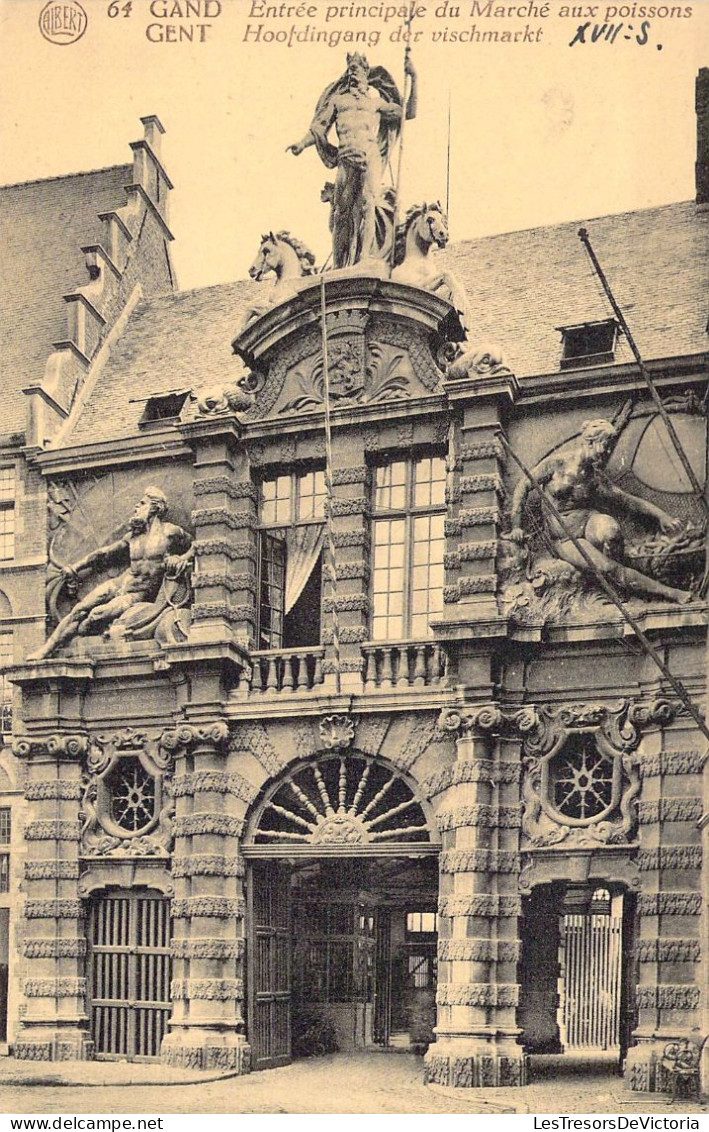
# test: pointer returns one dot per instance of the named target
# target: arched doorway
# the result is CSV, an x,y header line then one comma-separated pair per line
x,y
129,972
342,895
575,975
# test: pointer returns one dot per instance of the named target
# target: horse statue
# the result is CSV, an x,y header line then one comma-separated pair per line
x,y
425,225
288,259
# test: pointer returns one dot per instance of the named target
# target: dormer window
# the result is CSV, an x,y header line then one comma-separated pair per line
x,y
163,407
588,343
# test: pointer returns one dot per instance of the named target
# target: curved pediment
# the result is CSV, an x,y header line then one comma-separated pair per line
x,y
386,342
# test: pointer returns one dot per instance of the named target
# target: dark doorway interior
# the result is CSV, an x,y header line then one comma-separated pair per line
x,y
573,974
361,964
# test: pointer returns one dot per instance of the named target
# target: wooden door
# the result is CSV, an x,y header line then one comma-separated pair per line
x,y
269,964
130,971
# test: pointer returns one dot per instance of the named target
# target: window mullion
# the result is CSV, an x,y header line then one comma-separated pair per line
x,y
408,548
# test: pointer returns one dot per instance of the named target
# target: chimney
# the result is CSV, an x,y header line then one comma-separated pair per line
x,y
148,171
702,104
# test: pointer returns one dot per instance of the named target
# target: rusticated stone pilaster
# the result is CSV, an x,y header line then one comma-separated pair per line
x,y
350,520
55,1020
224,518
670,907
478,949
207,1022
483,388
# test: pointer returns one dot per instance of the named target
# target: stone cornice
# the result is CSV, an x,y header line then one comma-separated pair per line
x,y
540,726
598,380
157,445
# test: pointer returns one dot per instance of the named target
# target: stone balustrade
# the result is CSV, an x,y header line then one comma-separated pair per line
x,y
406,664
287,670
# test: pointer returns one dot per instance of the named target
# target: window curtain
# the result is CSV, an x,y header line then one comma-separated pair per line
x,y
303,548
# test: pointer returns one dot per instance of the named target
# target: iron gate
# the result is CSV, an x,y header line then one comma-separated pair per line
x,y
130,974
269,969
592,946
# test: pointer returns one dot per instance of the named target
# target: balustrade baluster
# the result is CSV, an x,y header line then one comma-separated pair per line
x,y
420,665
435,665
402,673
369,665
387,676
292,670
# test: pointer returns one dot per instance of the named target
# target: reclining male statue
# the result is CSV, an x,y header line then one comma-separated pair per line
x,y
151,549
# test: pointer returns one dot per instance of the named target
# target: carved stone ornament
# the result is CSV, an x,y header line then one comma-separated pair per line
x,y
336,731
141,601
187,735
70,747
487,718
581,773
127,808
213,400
608,501
485,359
341,799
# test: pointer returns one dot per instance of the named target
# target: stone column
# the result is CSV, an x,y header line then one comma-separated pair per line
x,y
207,1022
479,907
667,949
55,1023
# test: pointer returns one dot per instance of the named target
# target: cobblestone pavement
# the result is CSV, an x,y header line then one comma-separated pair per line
x,y
363,1083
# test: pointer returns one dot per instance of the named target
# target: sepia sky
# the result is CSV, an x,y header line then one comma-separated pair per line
x,y
540,133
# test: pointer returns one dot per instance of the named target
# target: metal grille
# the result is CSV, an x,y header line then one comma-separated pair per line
x,y
583,781
349,800
269,967
130,974
132,792
592,978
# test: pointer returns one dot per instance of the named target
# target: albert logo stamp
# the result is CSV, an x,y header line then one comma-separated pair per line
x,y
63,23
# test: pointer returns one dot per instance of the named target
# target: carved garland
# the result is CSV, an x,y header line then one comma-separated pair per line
x,y
55,988
207,947
484,904
208,864
675,996
477,994
670,903
51,948
479,950
208,990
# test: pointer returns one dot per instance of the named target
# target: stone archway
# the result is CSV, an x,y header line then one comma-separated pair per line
x,y
333,923
576,969
344,801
